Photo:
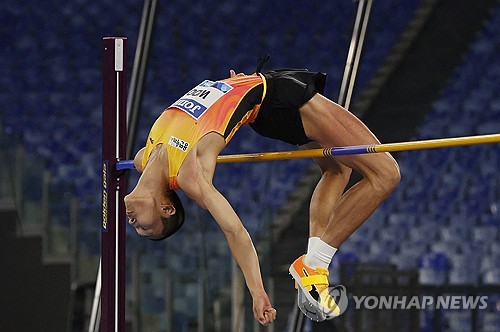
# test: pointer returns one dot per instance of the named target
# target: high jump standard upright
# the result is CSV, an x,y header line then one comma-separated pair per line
x,y
114,142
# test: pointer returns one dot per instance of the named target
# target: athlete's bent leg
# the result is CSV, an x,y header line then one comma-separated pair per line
x,y
335,216
330,125
334,178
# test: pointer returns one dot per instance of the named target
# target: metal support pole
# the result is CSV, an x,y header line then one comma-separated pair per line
x,y
237,298
136,291
95,314
354,55
349,77
169,289
19,183
47,243
202,277
139,71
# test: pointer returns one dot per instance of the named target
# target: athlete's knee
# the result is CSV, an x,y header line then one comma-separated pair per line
x,y
387,176
393,175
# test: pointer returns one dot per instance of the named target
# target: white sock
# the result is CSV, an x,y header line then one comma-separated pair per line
x,y
319,253
311,243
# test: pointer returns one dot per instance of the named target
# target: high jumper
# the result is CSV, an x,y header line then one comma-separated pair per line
x,y
181,154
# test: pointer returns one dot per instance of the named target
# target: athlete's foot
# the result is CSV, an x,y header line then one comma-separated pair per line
x,y
313,284
310,311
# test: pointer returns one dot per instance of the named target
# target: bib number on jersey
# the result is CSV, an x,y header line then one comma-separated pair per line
x,y
200,98
178,143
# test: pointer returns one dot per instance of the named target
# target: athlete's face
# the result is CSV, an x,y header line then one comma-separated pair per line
x,y
144,215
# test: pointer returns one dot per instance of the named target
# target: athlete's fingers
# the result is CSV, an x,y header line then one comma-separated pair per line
x,y
270,315
233,73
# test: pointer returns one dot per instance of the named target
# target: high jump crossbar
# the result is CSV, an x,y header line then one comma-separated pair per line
x,y
347,150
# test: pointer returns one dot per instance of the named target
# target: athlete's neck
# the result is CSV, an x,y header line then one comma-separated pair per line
x,y
154,180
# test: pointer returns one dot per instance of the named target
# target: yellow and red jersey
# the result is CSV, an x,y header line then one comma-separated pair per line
x,y
209,107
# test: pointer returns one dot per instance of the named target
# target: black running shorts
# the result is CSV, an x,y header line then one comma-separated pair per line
x,y
287,91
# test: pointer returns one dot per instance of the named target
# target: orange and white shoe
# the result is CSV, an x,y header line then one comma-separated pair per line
x,y
309,310
313,283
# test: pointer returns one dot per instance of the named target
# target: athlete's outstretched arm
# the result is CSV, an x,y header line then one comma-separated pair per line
x,y
196,181
242,249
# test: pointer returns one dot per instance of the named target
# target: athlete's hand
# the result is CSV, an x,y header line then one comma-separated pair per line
x,y
233,73
262,309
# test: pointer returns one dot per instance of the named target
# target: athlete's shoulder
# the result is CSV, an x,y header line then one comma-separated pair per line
x,y
138,159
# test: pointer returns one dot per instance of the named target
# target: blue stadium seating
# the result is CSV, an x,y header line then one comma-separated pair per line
x,y
492,276
464,269
49,87
433,269
456,320
458,187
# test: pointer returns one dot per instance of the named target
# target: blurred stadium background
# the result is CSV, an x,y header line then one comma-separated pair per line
x,y
429,69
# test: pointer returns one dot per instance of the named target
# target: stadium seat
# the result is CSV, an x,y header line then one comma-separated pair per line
x,y
464,270
490,320
391,233
448,248
457,320
455,232
381,250
425,232
492,276
405,261
494,249
487,234
413,247
491,323
433,269
403,220
489,262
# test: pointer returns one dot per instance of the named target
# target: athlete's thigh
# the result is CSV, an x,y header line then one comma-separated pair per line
x,y
325,163
330,125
